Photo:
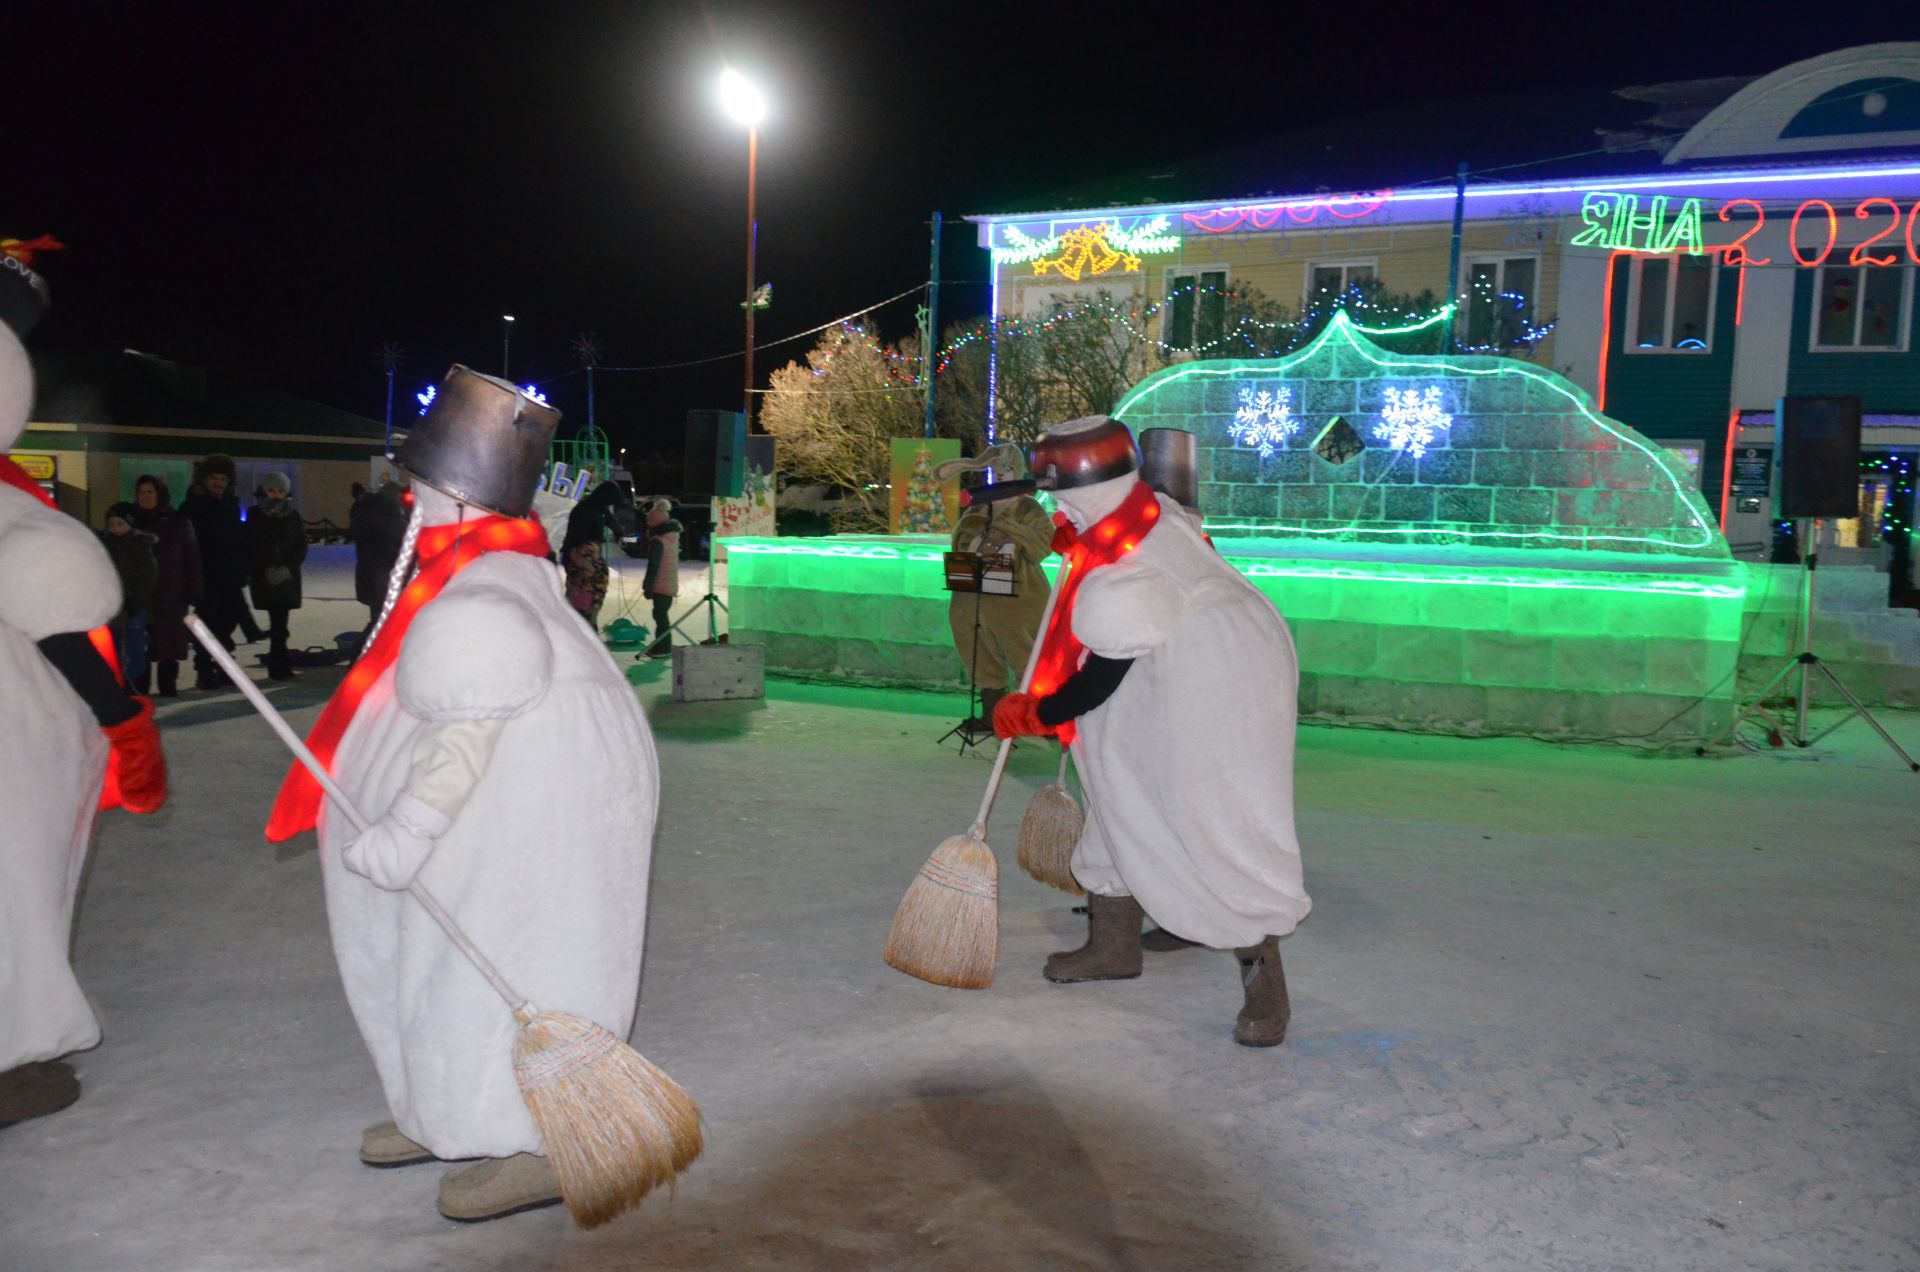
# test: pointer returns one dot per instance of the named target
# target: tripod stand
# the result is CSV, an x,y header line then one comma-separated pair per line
x,y
975,703
1807,662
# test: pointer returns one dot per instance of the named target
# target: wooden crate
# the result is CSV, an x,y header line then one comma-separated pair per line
x,y
710,673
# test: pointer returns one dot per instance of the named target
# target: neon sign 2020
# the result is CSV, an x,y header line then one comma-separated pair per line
x,y
1617,223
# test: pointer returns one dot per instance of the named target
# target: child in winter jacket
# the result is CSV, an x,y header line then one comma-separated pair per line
x,y
131,552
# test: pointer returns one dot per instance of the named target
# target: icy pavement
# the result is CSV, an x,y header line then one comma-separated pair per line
x,y
1556,1008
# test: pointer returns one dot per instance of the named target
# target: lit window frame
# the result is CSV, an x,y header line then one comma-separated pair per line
x,y
1903,345
1636,296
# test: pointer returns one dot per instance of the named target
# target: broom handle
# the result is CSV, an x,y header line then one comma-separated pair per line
x,y
979,830
245,685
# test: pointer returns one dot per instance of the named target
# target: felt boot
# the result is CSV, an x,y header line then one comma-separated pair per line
x,y
279,667
1112,951
383,1146
1263,1020
37,1089
497,1187
170,679
1160,941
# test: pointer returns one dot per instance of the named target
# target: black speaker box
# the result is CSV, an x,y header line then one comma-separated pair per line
x,y
716,457
1819,457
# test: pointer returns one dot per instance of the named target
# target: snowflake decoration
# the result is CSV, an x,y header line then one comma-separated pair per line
x,y
1264,419
1412,420
425,397
536,395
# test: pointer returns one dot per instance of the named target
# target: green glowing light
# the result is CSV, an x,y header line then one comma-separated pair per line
x,y
1615,222
1343,328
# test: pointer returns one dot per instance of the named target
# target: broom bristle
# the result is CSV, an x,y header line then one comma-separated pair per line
x,y
615,1127
1049,833
947,929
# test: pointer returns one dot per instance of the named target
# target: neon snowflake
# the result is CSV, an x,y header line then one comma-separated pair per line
x,y
1264,419
425,397
1411,420
536,395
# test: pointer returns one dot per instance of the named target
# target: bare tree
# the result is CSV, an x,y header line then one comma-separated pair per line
x,y
836,414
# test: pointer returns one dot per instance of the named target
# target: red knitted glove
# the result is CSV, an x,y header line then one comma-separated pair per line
x,y
1018,715
137,767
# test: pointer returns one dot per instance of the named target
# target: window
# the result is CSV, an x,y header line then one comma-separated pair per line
x,y
1329,279
1671,310
1497,309
1195,316
1864,307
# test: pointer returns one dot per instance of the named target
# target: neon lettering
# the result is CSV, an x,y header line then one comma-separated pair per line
x,y
1860,255
1793,233
1736,252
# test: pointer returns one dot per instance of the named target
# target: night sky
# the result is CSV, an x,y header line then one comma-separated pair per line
x,y
275,190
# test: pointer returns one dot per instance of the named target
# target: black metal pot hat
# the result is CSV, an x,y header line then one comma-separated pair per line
x,y
24,295
1170,463
483,441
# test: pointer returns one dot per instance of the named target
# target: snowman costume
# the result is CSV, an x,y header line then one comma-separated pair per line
x,y
62,716
513,773
1181,716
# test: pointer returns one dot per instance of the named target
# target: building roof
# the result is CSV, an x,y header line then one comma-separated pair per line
x,y
1530,137
134,390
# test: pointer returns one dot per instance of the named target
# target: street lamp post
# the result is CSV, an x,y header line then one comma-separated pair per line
x,y
506,346
744,103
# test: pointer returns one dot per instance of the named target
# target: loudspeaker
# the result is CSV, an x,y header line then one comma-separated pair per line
x,y
1819,457
716,462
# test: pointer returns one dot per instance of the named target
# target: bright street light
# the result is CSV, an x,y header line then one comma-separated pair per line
x,y
740,99
506,342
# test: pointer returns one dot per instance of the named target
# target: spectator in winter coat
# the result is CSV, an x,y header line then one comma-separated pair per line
x,y
376,526
277,539
225,564
662,583
177,553
131,552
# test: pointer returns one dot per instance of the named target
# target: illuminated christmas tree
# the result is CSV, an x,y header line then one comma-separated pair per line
x,y
925,511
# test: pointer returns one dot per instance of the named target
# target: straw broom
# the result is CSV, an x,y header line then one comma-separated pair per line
x,y
1050,832
947,929
614,1126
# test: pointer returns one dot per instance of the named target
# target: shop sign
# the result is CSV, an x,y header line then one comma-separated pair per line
x,y
1751,473
38,467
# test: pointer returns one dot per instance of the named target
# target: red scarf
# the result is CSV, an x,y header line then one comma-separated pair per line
x,y
1104,542
444,551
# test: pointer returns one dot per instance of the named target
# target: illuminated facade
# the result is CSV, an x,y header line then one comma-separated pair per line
x,y
1772,249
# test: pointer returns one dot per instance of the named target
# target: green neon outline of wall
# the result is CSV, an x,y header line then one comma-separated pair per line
x,y
1353,333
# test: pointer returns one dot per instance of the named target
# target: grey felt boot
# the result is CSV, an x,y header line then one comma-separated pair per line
x,y
1112,951
497,1187
383,1146
1263,1020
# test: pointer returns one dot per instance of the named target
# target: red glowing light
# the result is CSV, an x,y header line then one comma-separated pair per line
x,y
1793,233
1726,474
1860,255
1736,252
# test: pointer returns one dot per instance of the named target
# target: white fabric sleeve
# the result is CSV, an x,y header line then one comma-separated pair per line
x,y
54,575
476,654
1125,609
449,759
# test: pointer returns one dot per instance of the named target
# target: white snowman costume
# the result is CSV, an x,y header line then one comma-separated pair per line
x,y
1188,765
513,767
54,578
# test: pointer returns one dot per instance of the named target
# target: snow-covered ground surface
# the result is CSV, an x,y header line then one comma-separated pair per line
x,y
1556,1008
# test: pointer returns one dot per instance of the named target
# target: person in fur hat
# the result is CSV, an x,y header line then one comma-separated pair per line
x,y
994,634
276,544
1174,681
225,561
479,694
72,742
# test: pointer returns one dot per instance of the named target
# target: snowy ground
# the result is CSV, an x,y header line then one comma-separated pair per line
x,y
1556,1008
